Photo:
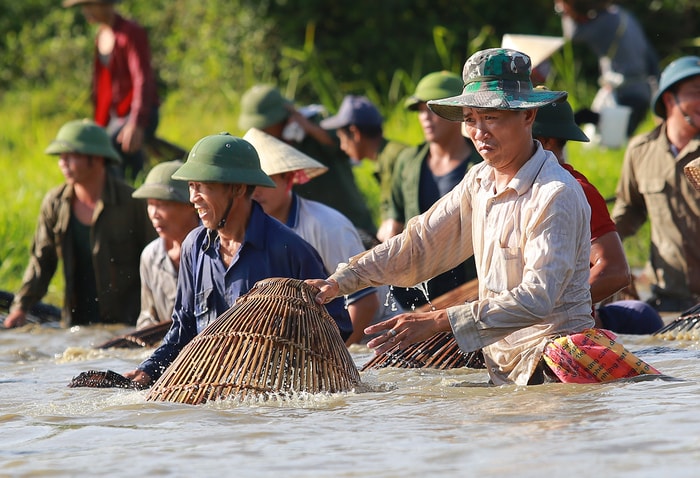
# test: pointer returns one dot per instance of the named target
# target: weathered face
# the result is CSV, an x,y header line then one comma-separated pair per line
x,y
210,201
275,200
78,168
499,135
171,218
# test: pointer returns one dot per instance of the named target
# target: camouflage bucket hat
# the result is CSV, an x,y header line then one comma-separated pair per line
x,y
434,86
556,120
159,184
497,78
222,158
83,137
262,106
677,71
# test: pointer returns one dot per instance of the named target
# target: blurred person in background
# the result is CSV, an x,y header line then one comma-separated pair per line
x,y
628,63
263,107
94,226
425,173
359,126
124,92
652,187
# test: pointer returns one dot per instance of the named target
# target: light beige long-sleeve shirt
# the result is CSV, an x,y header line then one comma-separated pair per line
x,y
532,245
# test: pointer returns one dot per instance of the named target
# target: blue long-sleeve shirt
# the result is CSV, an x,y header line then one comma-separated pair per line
x,y
206,288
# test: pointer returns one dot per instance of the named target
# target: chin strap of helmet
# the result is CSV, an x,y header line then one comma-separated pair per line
x,y
222,222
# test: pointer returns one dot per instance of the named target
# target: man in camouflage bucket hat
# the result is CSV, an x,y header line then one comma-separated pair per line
x,y
523,217
236,246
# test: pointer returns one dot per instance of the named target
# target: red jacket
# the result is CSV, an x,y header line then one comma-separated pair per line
x,y
127,85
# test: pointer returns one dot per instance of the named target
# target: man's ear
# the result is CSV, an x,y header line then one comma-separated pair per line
x,y
354,132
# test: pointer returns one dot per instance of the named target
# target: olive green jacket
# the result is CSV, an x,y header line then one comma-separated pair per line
x,y
406,181
120,231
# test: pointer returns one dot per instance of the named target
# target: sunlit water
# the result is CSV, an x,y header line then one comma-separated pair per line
x,y
412,423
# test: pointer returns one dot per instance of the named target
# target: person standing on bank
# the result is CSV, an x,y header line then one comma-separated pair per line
x,y
124,92
95,227
236,246
652,186
173,217
527,222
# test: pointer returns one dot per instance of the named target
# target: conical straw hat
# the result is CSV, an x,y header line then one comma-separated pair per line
x,y
277,157
537,47
276,340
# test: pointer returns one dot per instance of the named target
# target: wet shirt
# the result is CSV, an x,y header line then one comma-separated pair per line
x,y
532,246
207,288
158,285
653,186
119,232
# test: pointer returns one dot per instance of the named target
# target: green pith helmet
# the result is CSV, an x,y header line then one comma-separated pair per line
x,y
434,86
262,106
556,120
222,158
159,184
83,137
677,71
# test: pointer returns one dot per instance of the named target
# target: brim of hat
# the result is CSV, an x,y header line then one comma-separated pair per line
x,y
452,108
61,147
277,157
206,173
569,132
161,192
333,122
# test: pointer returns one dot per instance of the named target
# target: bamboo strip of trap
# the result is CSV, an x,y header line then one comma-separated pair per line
x,y
439,351
275,339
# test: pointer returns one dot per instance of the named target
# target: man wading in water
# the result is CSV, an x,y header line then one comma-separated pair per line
x,y
527,223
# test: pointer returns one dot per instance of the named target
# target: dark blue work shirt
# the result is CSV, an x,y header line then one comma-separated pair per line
x,y
206,288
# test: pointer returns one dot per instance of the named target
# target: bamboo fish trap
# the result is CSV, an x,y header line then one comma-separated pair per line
x,y
685,327
441,350
275,340
692,172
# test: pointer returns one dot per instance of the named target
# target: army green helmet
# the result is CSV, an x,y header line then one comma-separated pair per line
x,y
263,106
83,137
223,158
159,184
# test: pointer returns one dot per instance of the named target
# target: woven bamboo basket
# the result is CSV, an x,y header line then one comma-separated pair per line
x,y
441,350
692,172
274,341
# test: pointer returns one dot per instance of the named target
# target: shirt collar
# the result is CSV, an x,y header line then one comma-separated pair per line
x,y
523,179
293,216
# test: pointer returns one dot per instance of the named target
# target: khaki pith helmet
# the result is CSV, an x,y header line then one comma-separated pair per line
x,y
223,158
83,137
